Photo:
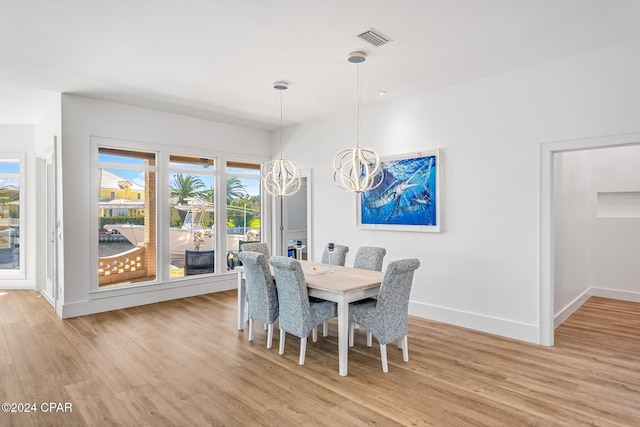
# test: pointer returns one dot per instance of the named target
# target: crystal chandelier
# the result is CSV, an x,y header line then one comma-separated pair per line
x,y
357,169
280,177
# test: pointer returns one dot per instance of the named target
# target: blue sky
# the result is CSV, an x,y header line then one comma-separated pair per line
x,y
9,168
9,181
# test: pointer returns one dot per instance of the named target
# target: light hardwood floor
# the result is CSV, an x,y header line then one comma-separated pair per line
x,y
184,363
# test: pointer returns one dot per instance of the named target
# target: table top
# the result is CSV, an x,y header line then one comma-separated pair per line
x,y
337,278
341,279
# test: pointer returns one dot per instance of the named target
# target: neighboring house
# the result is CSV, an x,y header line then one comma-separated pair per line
x,y
9,206
119,196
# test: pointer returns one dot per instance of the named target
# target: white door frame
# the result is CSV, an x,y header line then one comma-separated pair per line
x,y
547,238
48,218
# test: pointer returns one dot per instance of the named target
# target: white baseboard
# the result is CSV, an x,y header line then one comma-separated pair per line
x,y
492,325
571,308
146,296
616,294
594,292
18,284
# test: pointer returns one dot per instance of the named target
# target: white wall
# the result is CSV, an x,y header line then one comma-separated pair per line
x,y
83,118
18,140
573,215
49,125
482,272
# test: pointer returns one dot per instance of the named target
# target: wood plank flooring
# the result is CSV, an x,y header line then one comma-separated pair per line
x,y
183,363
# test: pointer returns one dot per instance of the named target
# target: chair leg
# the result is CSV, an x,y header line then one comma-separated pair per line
x,y
383,356
269,335
250,329
282,335
265,326
369,339
314,334
405,349
325,328
351,333
303,350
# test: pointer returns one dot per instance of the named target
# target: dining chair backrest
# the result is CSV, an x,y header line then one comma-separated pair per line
x,y
393,299
338,257
241,243
198,262
369,258
295,310
263,248
261,289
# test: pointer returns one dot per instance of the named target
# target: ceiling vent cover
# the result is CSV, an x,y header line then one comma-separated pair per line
x,y
374,38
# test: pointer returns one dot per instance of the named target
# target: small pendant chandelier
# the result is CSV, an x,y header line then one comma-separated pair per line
x,y
357,169
280,177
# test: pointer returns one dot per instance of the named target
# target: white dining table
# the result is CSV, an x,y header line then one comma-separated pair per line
x,y
342,285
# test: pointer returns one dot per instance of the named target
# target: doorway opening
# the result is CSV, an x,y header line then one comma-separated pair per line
x,y
292,221
548,225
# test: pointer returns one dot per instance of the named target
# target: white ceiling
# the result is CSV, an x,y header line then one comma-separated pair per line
x,y
217,59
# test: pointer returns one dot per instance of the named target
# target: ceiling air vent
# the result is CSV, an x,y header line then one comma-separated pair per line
x,y
374,38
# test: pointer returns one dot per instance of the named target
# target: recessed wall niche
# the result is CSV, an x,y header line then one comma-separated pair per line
x,y
618,204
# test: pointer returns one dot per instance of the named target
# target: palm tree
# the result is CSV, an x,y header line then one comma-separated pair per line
x,y
207,195
235,189
185,186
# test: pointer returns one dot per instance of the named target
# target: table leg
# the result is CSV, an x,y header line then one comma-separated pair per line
x,y
242,297
343,335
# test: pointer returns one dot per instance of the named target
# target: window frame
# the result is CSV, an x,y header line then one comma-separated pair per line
x,y
124,145
170,171
265,207
163,152
6,156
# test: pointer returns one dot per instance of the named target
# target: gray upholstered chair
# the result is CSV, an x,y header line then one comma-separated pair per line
x,y
255,246
261,292
338,257
298,315
388,316
263,248
369,258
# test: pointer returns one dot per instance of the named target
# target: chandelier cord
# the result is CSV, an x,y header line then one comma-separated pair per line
x,y
358,105
281,145
357,169
281,177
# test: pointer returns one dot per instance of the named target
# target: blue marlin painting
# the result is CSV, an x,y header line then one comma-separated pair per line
x,y
406,196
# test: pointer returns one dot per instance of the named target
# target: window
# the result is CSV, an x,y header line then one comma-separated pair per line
x,y
244,213
157,211
191,213
127,220
10,207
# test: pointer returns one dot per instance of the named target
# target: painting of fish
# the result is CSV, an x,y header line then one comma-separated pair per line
x,y
408,196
